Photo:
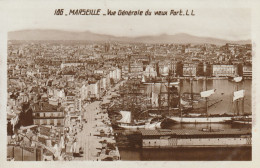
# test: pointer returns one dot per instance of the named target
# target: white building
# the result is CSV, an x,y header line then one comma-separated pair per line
x,y
189,70
247,71
150,71
224,70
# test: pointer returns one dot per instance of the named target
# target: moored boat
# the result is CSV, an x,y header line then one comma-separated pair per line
x,y
242,119
238,98
200,119
127,123
154,125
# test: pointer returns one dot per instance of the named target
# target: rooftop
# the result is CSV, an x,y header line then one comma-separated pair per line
x,y
45,107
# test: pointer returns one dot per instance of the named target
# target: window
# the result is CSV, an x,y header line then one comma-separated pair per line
x,y
37,122
59,122
44,122
52,122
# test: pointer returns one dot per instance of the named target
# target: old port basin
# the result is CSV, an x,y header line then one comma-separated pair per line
x,y
128,101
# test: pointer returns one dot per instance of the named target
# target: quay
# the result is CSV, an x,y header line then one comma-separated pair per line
x,y
96,137
81,100
188,138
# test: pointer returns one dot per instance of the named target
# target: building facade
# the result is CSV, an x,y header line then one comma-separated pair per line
x,y
247,71
189,69
224,70
47,114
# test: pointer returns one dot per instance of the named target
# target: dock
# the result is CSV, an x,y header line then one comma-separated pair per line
x,y
97,136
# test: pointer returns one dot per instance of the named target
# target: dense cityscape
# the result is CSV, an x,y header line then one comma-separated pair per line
x,y
65,97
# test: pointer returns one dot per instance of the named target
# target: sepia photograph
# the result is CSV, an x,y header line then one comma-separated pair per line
x,y
107,81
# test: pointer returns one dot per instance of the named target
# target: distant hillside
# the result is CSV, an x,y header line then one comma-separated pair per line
x,y
88,36
186,38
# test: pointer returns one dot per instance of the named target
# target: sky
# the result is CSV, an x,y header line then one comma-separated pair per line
x,y
213,21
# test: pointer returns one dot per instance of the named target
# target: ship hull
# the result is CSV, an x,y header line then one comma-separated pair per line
x,y
146,126
242,122
201,119
152,83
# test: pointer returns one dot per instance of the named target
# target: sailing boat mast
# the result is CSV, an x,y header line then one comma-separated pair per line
x,y
174,71
159,99
180,98
169,74
237,103
243,104
239,94
191,84
207,97
243,101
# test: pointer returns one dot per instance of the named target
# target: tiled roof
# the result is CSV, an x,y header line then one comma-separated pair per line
x,y
45,106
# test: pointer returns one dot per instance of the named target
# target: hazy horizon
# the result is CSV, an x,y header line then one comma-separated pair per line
x,y
130,37
223,23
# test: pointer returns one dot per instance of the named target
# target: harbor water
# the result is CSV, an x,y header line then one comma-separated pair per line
x,y
224,92
187,154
